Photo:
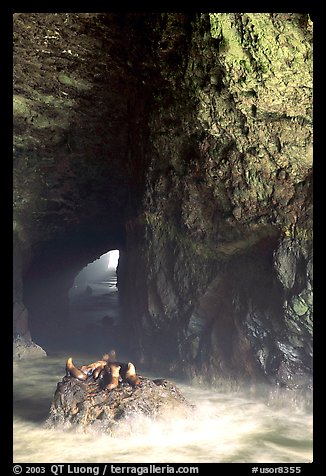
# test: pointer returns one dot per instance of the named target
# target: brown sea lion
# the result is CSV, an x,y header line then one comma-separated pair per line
x,y
128,373
92,367
96,367
98,370
131,376
114,376
73,371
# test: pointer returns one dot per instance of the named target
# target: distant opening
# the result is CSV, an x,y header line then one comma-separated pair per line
x,y
94,301
100,270
113,259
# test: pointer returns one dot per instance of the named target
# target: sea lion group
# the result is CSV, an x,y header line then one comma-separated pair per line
x,y
108,368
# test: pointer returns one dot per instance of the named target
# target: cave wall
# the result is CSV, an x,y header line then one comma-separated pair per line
x,y
76,102
226,247
186,140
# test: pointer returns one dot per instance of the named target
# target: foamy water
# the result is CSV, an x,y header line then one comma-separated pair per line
x,y
227,426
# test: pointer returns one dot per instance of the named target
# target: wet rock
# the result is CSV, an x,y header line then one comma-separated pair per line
x,y
88,403
285,264
299,306
26,349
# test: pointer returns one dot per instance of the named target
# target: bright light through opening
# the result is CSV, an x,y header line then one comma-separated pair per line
x,y
113,258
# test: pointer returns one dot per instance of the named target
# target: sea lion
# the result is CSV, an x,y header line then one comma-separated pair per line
x,y
131,376
98,370
73,371
114,376
128,373
96,367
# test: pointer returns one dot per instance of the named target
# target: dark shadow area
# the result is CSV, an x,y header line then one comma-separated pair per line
x,y
75,312
94,307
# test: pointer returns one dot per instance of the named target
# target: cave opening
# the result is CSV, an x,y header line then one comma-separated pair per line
x,y
94,302
73,306
99,270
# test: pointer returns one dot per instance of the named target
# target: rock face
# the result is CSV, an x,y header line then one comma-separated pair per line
x,y
26,349
185,141
74,404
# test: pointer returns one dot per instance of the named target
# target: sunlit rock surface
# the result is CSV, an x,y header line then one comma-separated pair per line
x,y
185,141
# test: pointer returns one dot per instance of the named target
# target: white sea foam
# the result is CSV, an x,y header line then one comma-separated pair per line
x,y
225,427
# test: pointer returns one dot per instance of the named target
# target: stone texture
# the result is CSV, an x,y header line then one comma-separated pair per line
x,y
228,199
26,349
86,403
184,140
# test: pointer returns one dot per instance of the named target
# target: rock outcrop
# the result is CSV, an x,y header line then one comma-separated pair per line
x,y
85,402
185,141
26,349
